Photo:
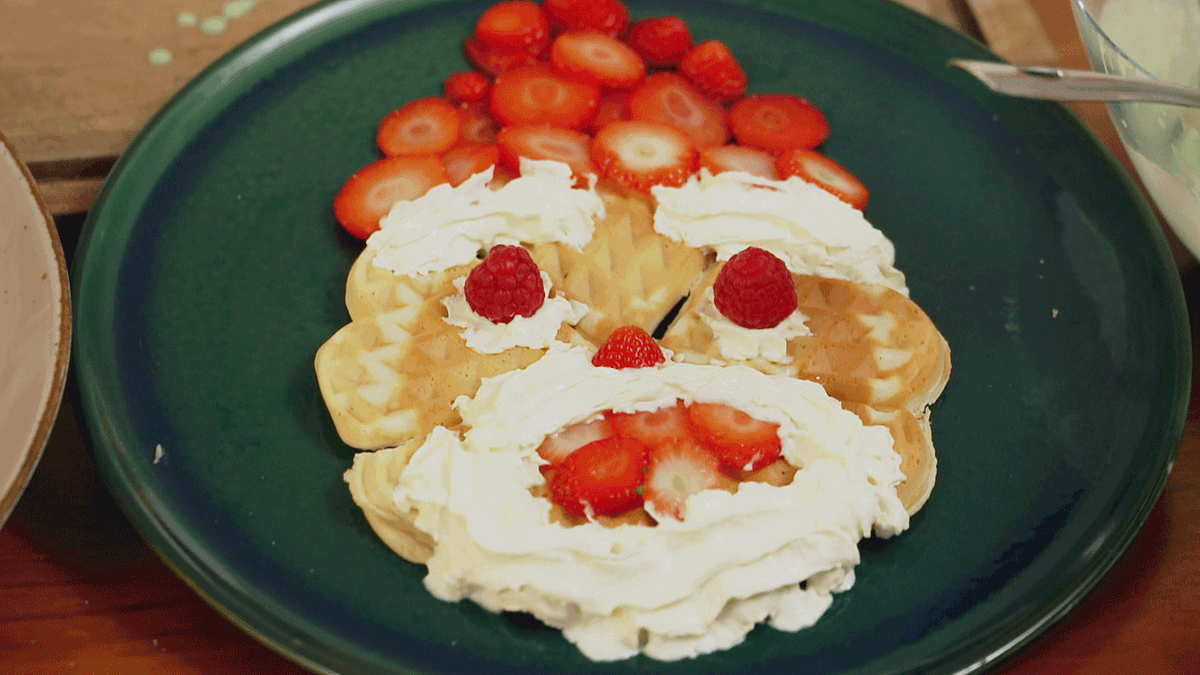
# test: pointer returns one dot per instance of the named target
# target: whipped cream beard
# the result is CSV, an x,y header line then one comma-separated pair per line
x,y
676,590
808,228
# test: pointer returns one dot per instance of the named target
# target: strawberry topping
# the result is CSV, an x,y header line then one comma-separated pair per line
x,y
607,16
538,95
613,106
640,155
466,86
370,193
718,158
493,60
505,285
740,441
427,126
598,57
662,41
477,124
668,99
465,161
568,146
814,167
652,427
557,446
755,289
602,477
629,347
678,469
712,68
514,25
778,122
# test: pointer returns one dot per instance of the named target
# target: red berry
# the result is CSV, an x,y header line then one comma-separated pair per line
x,y
713,69
477,124
539,95
629,347
738,440
613,106
568,146
667,98
755,289
492,60
467,86
719,158
371,192
816,168
651,427
559,445
777,122
662,41
676,470
466,160
640,155
506,284
596,56
426,126
514,25
607,16
602,477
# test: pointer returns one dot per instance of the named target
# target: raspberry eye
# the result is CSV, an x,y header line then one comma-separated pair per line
x,y
505,285
755,289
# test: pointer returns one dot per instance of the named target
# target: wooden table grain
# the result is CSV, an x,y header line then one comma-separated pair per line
x,y
81,592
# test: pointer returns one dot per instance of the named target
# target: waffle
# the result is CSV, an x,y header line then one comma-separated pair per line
x,y
372,479
394,371
628,274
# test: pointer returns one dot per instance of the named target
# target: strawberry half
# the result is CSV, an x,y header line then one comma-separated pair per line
x,y
652,427
599,57
677,470
662,40
777,122
370,193
538,95
427,126
603,477
816,168
714,70
719,158
640,155
667,98
568,146
466,86
514,25
738,440
607,16
628,347
557,446
465,161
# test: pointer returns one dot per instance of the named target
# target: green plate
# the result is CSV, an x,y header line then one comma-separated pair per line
x,y
211,269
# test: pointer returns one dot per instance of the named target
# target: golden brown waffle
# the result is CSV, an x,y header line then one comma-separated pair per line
x,y
913,440
393,373
628,274
372,479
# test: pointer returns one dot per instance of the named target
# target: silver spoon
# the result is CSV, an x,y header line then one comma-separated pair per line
x,y
1059,84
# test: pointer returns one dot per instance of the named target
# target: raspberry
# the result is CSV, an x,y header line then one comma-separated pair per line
x,y
505,284
755,289
629,347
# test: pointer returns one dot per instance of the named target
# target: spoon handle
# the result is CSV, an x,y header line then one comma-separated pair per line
x,y
1059,84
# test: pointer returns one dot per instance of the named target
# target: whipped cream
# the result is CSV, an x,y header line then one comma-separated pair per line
x,y
682,588
738,343
448,226
536,332
811,230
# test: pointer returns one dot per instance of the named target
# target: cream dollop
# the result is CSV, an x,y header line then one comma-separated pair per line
x,y
679,589
738,343
448,226
536,332
811,230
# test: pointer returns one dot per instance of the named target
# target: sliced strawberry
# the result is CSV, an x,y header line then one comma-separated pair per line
x,y
596,56
814,167
492,60
628,347
465,161
662,41
777,122
514,25
718,158
607,16
538,95
640,155
713,70
557,446
568,146
677,470
477,124
602,477
613,106
737,439
467,86
427,126
652,427
667,98
371,192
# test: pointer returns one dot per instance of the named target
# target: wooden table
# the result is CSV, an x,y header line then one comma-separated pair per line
x,y
81,592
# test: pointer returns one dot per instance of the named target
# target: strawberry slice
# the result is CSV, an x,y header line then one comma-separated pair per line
x,y
538,95
607,16
596,56
714,70
678,469
667,98
492,60
718,158
662,40
602,477
814,167
628,347
568,146
477,124
738,440
651,427
427,126
640,155
466,86
613,106
557,446
371,192
465,161
778,122
514,25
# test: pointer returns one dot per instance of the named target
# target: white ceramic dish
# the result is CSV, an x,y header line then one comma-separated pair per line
x,y
35,326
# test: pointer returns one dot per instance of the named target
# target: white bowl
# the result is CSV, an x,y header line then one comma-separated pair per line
x,y
1154,39
35,326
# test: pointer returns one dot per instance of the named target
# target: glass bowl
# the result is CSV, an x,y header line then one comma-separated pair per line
x,y
1154,39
